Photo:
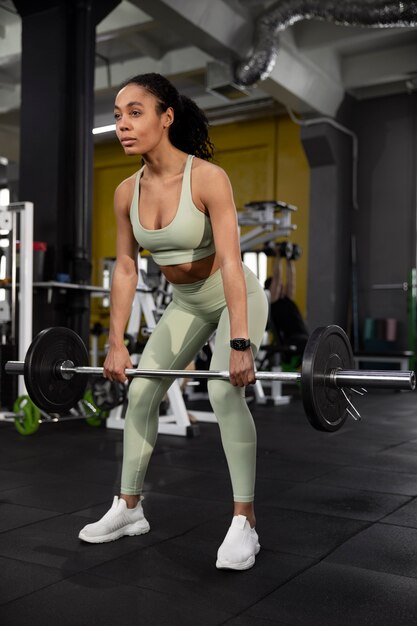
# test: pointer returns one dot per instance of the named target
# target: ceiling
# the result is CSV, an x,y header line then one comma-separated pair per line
x,y
195,42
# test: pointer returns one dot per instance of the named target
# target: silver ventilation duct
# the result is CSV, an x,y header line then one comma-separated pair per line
x,y
372,14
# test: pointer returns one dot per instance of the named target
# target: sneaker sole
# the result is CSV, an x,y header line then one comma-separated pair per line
x,y
130,531
250,562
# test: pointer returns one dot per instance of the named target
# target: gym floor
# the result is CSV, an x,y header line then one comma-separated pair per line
x,y
337,519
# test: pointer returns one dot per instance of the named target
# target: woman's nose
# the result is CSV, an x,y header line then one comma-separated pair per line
x,y
124,123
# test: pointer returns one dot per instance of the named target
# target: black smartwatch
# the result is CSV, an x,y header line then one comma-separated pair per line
x,y
240,344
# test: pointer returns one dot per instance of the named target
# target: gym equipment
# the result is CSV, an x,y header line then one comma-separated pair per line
x,y
107,394
28,416
296,252
55,374
285,249
48,386
267,220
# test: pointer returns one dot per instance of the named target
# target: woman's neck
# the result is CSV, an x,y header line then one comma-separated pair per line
x,y
164,164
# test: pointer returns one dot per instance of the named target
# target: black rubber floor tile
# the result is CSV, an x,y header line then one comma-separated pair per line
x,y
338,454
69,462
186,569
270,464
14,516
11,479
391,460
389,436
180,481
19,579
270,487
349,503
89,600
243,620
203,485
382,548
371,480
172,514
307,534
405,516
338,595
332,454
201,460
169,515
77,467
54,543
93,471
58,495
17,448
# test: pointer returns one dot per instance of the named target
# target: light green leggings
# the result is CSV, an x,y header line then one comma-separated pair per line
x,y
196,311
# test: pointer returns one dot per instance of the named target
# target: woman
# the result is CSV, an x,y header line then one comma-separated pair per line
x,y
180,207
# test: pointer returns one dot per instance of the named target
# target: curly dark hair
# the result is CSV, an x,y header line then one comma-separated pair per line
x,y
189,131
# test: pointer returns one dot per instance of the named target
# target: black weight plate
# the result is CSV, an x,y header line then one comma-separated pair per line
x,y
327,349
107,394
50,348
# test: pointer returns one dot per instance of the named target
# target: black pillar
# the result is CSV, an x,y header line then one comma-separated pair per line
x,y
329,153
58,60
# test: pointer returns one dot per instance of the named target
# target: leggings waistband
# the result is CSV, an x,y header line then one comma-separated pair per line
x,y
208,295
205,295
199,285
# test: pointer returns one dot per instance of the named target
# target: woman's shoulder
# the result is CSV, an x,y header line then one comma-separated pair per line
x,y
208,169
124,192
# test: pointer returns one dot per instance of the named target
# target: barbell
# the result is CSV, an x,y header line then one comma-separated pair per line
x,y
56,370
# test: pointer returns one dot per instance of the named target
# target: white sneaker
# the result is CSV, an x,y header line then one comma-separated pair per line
x,y
240,546
116,523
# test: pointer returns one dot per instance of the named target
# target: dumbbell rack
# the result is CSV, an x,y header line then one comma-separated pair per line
x,y
261,216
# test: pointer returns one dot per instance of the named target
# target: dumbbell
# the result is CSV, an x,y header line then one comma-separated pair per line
x,y
296,252
285,249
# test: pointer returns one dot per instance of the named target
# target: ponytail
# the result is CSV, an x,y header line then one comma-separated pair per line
x,y
189,131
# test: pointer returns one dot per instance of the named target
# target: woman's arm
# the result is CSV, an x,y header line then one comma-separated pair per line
x,y
217,196
123,287
290,293
276,287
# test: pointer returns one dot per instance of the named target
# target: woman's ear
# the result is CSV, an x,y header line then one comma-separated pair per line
x,y
168,117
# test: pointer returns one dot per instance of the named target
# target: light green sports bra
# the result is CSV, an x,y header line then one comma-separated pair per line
x,y
188,237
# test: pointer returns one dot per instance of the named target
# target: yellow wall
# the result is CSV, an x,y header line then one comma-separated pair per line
x,y
264,160
292,185
111,166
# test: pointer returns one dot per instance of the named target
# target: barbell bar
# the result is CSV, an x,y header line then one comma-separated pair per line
x,y
383,379
56,372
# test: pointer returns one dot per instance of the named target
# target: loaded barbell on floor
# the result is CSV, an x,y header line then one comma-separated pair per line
x,y
56,370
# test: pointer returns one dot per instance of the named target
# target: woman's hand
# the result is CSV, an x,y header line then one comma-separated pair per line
x,y
117,360
242,368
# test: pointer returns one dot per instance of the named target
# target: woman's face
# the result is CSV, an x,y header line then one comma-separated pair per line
x,y
139,126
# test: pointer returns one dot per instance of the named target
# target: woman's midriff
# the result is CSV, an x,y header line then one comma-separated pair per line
x,y
188,273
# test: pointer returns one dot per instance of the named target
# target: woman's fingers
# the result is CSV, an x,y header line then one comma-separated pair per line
x,y
115,364
242,370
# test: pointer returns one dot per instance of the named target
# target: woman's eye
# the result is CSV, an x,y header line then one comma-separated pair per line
x,y
135,113
117,116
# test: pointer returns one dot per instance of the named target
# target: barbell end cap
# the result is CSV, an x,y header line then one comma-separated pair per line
x,y
412,381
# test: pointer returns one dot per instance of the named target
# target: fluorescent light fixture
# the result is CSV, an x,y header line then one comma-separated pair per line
x,y
104,129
